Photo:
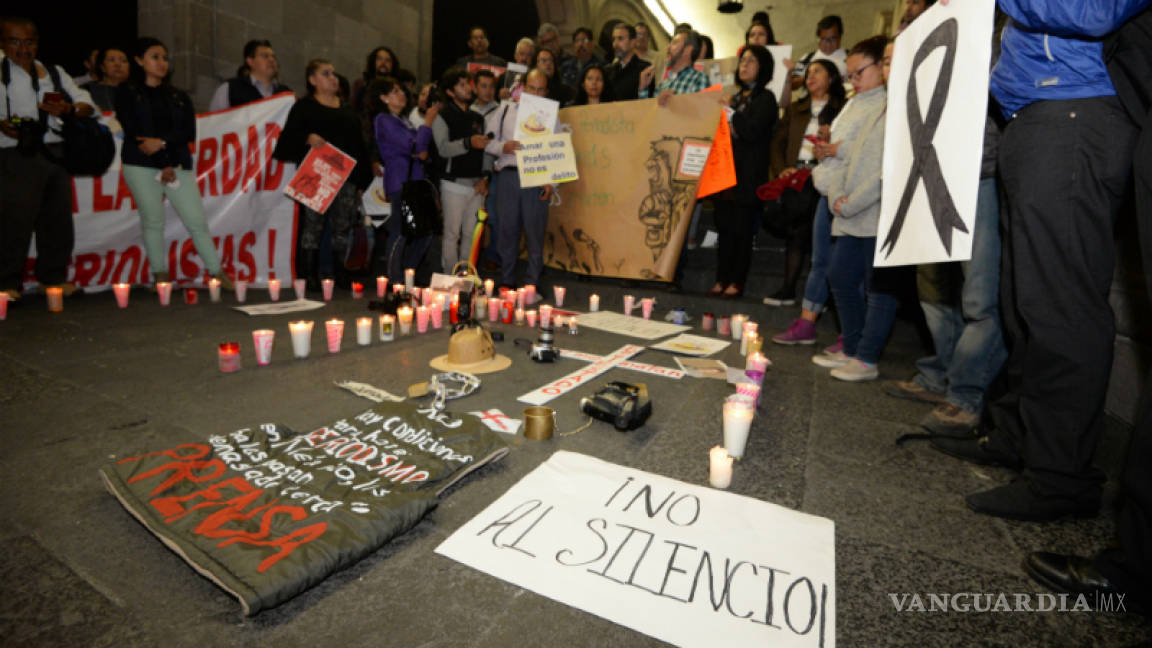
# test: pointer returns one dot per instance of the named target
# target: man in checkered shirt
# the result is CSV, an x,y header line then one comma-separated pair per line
x,y
682,78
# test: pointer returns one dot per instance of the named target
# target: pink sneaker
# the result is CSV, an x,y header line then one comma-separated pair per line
x,y
801,331
835,348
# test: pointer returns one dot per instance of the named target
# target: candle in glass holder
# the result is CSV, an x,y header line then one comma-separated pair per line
x,y
479,303
519,317
357,290
646,307
520,298
454,309
422,319
274,289
719,468
387,328
122,290
404,316
756,362
334,328
381,286
530,317
593,303
327,285
755,343
213,290
558,295
419,294
572,327
301,337
163,291
363,331
241,290
737,324
409,279
629,303
750,329
262,342
737,422
494,309
530,294
300,287
229,356
545,315
489,286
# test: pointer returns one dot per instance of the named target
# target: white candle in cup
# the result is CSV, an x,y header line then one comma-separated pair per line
x,y
409,279
241,290
213,290
558,295
719,468
545,315
301,337
594,303
519,317
646,307
274,289
738,326
629,303
737,422
489,286
262,342
404,316
300,287
530,317
163,291
334,328
572,326
363,331
122,290
327,285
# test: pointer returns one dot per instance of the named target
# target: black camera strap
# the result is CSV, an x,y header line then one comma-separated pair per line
x,y
53,76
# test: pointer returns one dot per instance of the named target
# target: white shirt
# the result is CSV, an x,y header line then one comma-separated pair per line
x,y
505,132
18,100
813,129
839,58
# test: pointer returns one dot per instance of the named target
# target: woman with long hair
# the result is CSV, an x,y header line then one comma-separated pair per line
x,y
112,69
593,88
316,119
737,210
403,149
545,60
159,123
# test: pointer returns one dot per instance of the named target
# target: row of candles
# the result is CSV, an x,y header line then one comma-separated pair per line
x,y
739,409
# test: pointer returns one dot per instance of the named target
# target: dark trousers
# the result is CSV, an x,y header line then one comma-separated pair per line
x,y
520,210
736,224
35,196
402,253
1065,166
1129,565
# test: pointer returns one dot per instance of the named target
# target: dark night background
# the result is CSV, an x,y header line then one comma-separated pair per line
x,y
68,31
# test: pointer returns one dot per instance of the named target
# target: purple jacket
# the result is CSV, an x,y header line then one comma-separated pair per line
x,y
394,138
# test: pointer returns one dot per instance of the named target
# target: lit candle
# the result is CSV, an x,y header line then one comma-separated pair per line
x,y
724,326
530,317
751,390
572,325
737,422
122,290
387,328
646,307
357,290
274,289
416,292
301,337
191,296
593,303
520,296
437,314
3,306
507,310
213,290
421,319
363,331
163,291
327,285
494,309
229,356
707,321
558,295
404,316
629,303
300,287
397,289
381,286
545,315
750,329
519,317
262,341
719,468
489,286
756,362
335,331
241,290
755,343
530,294
409,279
479,303
737,325
454,309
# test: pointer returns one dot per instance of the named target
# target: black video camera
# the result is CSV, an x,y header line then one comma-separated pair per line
x,y
29,135
624,405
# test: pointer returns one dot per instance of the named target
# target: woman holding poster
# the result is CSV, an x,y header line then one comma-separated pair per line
x,y
159,123
754,114
317,119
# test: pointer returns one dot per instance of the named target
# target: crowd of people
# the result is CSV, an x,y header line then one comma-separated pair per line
x,y
1023,331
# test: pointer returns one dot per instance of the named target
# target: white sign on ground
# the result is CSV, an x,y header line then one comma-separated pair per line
x,y
689,565
631,326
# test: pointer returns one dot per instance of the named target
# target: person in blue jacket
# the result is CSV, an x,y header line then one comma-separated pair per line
x,y
1065,161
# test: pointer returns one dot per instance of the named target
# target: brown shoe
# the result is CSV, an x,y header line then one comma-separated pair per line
x,y
949,420
909,390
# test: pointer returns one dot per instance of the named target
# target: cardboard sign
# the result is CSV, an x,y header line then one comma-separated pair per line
x,y
690,565
934,135
546,160
324,170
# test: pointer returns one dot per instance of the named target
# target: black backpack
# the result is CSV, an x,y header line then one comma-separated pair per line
x,y
88,144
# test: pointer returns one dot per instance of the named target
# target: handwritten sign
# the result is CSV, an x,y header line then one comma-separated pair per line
x,y
692,345
693,157
536,116
643,367
546,160
580,376
632,326
324,170
689,565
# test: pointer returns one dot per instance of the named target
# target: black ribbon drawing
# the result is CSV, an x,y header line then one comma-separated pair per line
x,y
925,163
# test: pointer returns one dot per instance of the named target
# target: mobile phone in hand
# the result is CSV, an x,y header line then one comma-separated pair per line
x,y
813,139
53,97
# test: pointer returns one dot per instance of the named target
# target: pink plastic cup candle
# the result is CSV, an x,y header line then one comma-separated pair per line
x,y
646,307
241,290
381,286
363,331
121,290
593,303
521,295
530,294
327,285
558,295
437,315
749,389
422,319
300,287
489,286
530,317
494,309
3,306
262,341
301,337
404,317
707,321
629,303
274,289
756,362
724,326
335,331
229,356
719,468
163,291
737,423
409,279
397,288
357,290
545,315
214,290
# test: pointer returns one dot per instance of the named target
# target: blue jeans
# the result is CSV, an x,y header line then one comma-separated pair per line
x,y
402,253
866,314
816,288
966,330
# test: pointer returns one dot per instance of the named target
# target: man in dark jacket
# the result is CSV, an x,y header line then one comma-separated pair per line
x,y
624,74
256,80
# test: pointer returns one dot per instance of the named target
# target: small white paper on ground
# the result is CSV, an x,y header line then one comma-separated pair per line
x,y
498,421
279,308
692,345
632,326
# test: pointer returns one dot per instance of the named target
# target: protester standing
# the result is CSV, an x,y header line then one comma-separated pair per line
x,y
111,70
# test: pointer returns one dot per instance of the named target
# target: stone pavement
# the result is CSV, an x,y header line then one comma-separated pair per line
x,y
94,383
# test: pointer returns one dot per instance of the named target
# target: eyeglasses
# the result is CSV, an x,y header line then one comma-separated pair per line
x,y
855,76
17,42
830,39
582,39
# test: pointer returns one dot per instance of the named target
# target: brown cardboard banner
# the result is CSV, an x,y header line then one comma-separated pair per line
x,y
628,214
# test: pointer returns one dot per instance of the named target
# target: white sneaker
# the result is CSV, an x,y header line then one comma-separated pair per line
x,y
855,370
830,360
